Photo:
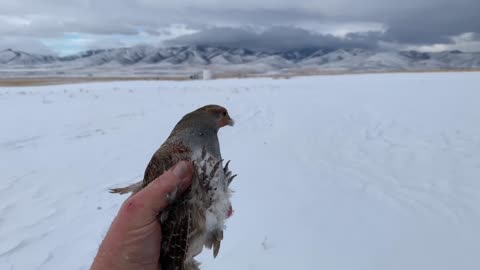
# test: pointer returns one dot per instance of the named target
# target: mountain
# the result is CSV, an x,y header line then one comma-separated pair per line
x,y
146,60
13,57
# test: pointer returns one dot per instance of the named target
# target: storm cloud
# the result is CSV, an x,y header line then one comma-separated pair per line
x,y
276,38
248,23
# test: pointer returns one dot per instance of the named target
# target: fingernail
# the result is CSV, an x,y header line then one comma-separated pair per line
x,y
182,171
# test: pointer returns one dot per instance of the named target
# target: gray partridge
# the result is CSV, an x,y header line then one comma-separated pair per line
x,y
196,218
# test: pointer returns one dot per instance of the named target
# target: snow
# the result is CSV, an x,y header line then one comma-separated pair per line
x,y
341,172
185,61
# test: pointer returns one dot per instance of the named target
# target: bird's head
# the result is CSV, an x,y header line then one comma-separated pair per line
x,y
218,114
207,117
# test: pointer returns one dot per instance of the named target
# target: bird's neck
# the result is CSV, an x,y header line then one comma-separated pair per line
x,y
196,139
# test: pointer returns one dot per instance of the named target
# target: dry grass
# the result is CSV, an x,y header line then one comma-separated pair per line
x,y
18,82
72,80
313,72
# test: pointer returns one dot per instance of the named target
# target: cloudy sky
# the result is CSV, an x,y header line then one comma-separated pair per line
x,y
69,26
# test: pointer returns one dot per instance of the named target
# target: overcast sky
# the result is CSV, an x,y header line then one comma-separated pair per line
x,y
69,26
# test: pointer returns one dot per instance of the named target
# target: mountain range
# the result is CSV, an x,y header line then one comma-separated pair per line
x,y
146,60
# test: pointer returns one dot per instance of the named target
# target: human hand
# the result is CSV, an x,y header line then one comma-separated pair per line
x,y
134,238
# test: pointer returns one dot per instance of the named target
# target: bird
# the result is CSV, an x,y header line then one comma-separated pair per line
x,y
195,219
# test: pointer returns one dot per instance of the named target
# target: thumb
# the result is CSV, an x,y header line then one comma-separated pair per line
x,y
148,202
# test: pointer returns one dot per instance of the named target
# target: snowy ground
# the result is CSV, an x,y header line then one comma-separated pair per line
x,y
342,172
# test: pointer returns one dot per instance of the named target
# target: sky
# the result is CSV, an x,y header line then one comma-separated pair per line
x,y
69,26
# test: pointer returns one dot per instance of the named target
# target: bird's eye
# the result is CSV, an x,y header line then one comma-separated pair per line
x,y
224,114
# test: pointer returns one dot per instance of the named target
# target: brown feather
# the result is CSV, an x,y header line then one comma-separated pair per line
x,y
174,240
133,188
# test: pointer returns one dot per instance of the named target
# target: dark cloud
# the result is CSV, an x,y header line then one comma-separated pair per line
x,y
255,16
275,38
434,24
407,22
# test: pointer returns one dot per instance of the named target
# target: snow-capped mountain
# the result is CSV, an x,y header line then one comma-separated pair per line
x,y
13,57
147,60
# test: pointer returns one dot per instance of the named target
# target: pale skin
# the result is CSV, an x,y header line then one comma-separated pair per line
x,y
133,240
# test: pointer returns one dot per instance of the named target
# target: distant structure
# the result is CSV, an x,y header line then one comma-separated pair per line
x,y
203,75
207,74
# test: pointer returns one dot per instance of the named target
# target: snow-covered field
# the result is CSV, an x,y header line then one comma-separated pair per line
x,y
342,172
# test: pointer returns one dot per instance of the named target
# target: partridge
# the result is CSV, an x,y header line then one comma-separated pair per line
x,y
197,217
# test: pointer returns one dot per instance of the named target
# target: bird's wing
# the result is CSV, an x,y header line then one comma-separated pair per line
x,y
175,236
175,219
164,158
160,162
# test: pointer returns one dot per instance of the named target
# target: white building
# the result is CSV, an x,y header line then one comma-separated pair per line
x,y
207,74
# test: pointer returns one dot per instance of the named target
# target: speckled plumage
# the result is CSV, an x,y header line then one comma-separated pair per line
x,y
196,218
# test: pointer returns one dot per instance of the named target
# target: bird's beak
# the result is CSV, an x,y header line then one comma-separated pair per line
x,y
231,122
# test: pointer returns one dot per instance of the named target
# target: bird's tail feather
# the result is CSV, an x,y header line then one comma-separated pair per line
x,y
131,188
